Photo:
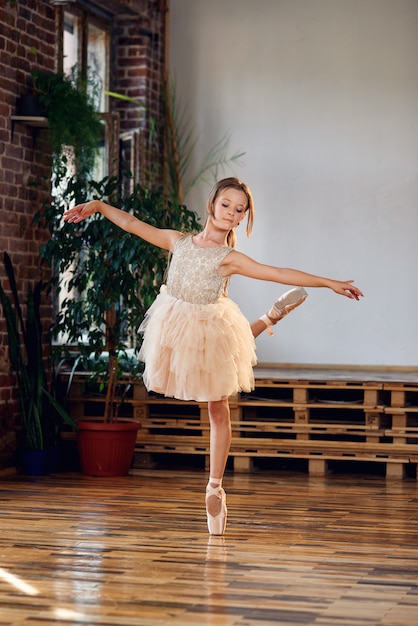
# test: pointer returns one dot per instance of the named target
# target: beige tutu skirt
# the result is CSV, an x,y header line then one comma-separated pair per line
x,y
197,352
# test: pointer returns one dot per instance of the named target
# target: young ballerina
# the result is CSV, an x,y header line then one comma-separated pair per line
x,y
197,345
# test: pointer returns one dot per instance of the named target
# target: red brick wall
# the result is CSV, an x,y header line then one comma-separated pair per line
x,y
28,41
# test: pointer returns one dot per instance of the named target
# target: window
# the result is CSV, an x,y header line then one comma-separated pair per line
x,y
83,33
85,51
86,46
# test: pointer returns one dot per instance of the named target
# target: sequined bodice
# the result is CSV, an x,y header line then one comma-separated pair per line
x,y
193,274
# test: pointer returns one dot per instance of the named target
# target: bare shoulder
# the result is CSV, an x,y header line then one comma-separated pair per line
x,y
162,237
236,263
173,237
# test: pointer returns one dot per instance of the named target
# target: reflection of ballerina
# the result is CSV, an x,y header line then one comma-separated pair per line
x,y
216,550
214,570
197,344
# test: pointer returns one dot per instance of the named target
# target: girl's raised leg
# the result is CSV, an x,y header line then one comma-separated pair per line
x,y
286,303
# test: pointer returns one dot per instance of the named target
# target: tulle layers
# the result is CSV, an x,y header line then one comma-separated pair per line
x,y
197,351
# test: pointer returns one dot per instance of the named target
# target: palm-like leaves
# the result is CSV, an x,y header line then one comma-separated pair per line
x,y
181,141
26,358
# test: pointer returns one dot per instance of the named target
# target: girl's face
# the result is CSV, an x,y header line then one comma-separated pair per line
x,y
229,208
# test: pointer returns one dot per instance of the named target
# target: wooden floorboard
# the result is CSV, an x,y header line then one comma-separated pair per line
x,y
339,550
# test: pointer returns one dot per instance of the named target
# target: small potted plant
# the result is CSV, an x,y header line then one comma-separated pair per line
x,y
69,102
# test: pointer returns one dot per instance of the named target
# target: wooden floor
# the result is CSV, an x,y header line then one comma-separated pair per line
x,y
340,550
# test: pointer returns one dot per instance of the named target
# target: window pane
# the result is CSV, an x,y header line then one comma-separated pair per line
x,y
70,42
97,61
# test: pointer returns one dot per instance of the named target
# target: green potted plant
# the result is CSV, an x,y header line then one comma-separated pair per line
x,y
39,408
110,278
69,102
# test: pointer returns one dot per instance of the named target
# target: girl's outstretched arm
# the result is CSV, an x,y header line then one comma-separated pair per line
x,y
237,263
161,237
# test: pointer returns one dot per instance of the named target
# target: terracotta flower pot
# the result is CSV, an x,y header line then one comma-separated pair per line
x,y
106,449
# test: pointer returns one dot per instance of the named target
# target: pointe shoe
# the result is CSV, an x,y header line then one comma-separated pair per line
x,y
286,303
216,523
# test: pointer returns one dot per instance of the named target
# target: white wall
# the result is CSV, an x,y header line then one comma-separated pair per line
x,y
322,95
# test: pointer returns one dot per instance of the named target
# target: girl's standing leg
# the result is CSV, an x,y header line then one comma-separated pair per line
x,y
220,442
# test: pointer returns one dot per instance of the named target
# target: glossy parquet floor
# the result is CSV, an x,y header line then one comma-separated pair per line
x,y
335,551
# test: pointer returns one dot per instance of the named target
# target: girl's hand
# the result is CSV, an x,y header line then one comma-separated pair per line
x,y
346,288
80,212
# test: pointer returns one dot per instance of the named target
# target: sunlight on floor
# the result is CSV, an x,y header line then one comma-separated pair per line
x,y
18,583
68,614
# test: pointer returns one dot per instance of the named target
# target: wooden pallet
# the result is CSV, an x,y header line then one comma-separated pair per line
x,y
314,414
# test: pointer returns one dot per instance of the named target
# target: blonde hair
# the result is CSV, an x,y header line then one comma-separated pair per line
x,y
232,183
